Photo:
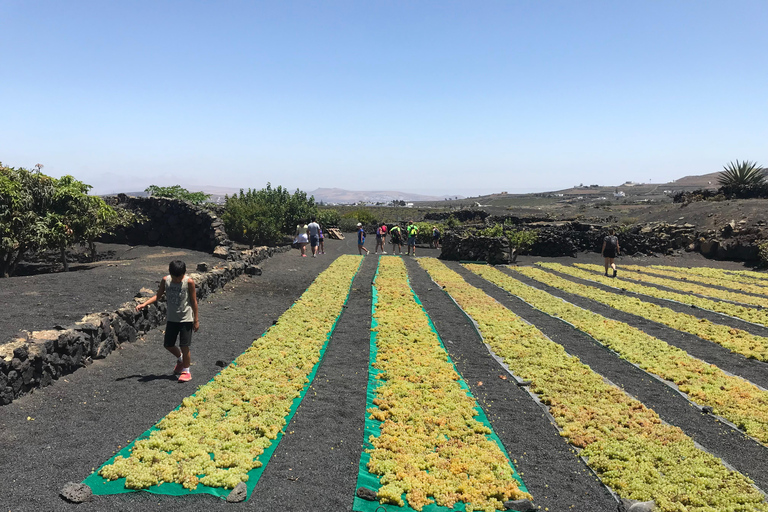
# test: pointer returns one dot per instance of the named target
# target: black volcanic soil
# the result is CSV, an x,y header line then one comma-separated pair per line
x,y
60,433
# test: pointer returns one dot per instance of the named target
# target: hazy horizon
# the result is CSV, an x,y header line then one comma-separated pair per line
x,y
427,97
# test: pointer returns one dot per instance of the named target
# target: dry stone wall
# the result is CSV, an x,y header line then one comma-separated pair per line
x,y
568,239
40,357
170,222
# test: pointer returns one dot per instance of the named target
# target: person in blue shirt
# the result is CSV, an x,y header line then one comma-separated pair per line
x,y
361,239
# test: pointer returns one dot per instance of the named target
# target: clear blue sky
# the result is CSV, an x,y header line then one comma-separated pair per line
x,y
439,97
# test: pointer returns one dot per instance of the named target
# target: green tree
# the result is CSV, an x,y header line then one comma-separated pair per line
x,y
76,218
177,192
328,217
265,216
38,212
25,196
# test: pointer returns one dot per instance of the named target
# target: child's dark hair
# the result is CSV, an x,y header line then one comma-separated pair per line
x,y
177,268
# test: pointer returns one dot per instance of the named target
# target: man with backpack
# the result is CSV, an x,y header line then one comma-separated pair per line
x,y
610,250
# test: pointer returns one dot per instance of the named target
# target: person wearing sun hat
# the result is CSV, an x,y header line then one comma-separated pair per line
x,y
361,239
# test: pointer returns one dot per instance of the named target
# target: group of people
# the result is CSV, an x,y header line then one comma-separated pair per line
x,y
311,234
399,233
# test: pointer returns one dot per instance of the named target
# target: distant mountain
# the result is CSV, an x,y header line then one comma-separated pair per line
x,y
338,195
702,181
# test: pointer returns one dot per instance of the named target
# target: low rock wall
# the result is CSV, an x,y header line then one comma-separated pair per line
x,y
39,358
568,239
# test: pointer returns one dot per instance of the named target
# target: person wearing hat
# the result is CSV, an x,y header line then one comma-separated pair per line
x,y
361,239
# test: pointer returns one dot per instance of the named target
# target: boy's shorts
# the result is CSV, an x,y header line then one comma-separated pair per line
x,y
181,329
314,240
412,241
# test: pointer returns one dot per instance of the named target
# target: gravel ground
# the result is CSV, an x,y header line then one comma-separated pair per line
x,y
42,301
735,448
60,433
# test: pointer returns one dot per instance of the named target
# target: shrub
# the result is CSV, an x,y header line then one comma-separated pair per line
x,y
365,217
265,216
348,224
177,192
328,217
762,253
522,240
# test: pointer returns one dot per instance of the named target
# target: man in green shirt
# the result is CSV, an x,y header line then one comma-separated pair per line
x,y
413,230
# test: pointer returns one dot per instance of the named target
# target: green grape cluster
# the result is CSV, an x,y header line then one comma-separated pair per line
x,y
736,340
730,396
627,444
431,448
683,286
749,314
217,435
743,286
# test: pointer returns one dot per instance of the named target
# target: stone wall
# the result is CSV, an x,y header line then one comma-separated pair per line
x,y
459,215
568,239
169,222
36,360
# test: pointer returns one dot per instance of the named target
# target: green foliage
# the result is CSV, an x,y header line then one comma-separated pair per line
x,y
741,174
519,239
177,192
452,222
348,224
38,212
522,240
743,180
496,230
762,254
366,217
328,217
265,216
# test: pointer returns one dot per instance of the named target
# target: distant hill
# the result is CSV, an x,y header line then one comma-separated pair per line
x,y
703,181
338,195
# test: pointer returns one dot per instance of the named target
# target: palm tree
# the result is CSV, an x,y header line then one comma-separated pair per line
x,y
741,174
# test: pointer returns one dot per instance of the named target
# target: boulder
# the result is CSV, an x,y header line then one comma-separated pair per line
x,y
519,505
238,494
366,494
76,493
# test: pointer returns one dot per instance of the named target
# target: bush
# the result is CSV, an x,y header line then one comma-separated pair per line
x,y
328,218
177,192
762,254
365,217
522,240
265,216
348,224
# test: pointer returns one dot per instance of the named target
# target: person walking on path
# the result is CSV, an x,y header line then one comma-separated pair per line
x,y
181,317
396,235
302,238
314,236
413,230
322,241
381,237
610,250
435,237
361,239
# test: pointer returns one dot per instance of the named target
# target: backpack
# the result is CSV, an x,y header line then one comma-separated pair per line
x,y
611,242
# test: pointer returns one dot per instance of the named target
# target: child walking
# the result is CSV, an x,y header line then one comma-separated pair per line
x,y
181,316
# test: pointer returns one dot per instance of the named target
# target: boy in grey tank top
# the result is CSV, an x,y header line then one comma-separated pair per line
x,y
182,318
